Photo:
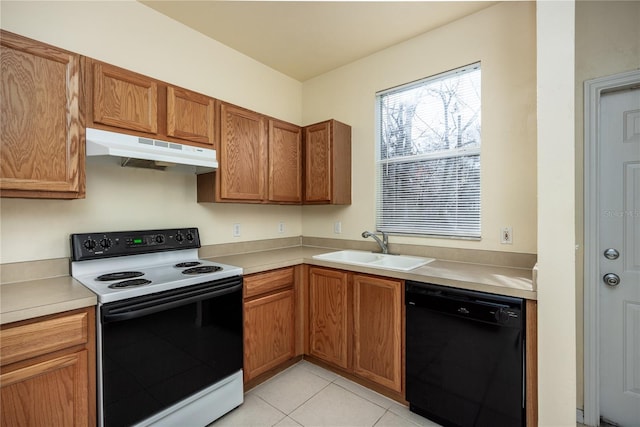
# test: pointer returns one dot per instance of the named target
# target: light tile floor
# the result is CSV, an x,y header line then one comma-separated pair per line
x,y
307,395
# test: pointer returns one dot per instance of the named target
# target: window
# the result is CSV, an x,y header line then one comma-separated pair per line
x,y
428,156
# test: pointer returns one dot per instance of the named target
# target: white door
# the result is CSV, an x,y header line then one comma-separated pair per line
x,y
619,249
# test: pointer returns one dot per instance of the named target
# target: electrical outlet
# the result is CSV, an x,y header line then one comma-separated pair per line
x,y
236,230
281,227
337,227
506,236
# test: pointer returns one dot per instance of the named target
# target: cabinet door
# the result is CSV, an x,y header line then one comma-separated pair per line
x,y
377,330
243,136
285,162
269,332
124,99
52,392
327,165
190,116
42,136
328,316
317,148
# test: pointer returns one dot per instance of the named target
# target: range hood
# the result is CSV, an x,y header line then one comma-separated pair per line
x,y
135,151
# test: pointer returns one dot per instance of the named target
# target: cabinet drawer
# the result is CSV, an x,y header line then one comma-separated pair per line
x,y
265,282
41,337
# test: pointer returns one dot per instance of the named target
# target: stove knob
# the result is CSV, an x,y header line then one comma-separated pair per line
x,y
105,243
159,238
189,236
89,244
179,237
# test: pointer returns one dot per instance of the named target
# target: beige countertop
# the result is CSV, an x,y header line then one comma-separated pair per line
x,y
516,282
34,298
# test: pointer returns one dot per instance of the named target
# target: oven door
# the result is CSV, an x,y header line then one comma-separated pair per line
x,y
159,349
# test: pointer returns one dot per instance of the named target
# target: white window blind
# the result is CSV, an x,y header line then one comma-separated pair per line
x,y
428,156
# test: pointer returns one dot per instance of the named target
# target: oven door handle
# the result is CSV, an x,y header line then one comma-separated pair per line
x,y
137,309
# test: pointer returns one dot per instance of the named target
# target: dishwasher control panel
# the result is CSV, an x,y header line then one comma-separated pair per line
x,y
479,306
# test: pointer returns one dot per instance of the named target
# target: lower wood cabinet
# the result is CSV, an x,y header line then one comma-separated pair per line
x,y
356,323
269,337
269,321
378,330
48,370
52,392
350,321
329,323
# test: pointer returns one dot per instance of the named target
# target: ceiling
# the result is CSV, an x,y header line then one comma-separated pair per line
x,y
304,39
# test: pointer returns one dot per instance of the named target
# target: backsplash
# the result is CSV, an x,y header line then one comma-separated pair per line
x,y
56,267
473,256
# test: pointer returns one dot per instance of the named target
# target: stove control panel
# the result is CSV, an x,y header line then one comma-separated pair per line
x,y
86,246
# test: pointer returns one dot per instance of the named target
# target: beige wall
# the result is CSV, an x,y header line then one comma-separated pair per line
x,y
133,36
503,38
607,42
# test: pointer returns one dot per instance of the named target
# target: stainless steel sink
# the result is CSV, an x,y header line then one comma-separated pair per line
x,y
375,260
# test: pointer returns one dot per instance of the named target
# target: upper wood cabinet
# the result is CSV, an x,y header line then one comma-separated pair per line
x,y
327,163
285,162
260,160
190,116
124,99
120,100
41,126
242,154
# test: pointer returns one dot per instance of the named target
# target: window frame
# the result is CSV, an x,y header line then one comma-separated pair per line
x,y
458,153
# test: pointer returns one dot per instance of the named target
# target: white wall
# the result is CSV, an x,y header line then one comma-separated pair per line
x,y
133,36
607,42
556,214
502,37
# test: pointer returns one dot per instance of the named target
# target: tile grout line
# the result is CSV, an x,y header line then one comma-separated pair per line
x,y
329,382
381,417
285,415
311,397
363,397
348,391
386,409
335,377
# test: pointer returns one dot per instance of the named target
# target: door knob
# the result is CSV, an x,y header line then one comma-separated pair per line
x,y
611,254
611,279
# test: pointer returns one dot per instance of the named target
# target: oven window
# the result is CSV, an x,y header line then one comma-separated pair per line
x,y
155,360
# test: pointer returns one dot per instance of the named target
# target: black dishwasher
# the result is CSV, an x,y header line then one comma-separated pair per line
x,y
465,357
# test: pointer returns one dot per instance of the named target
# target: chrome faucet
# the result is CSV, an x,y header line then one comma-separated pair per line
x,y
384,243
